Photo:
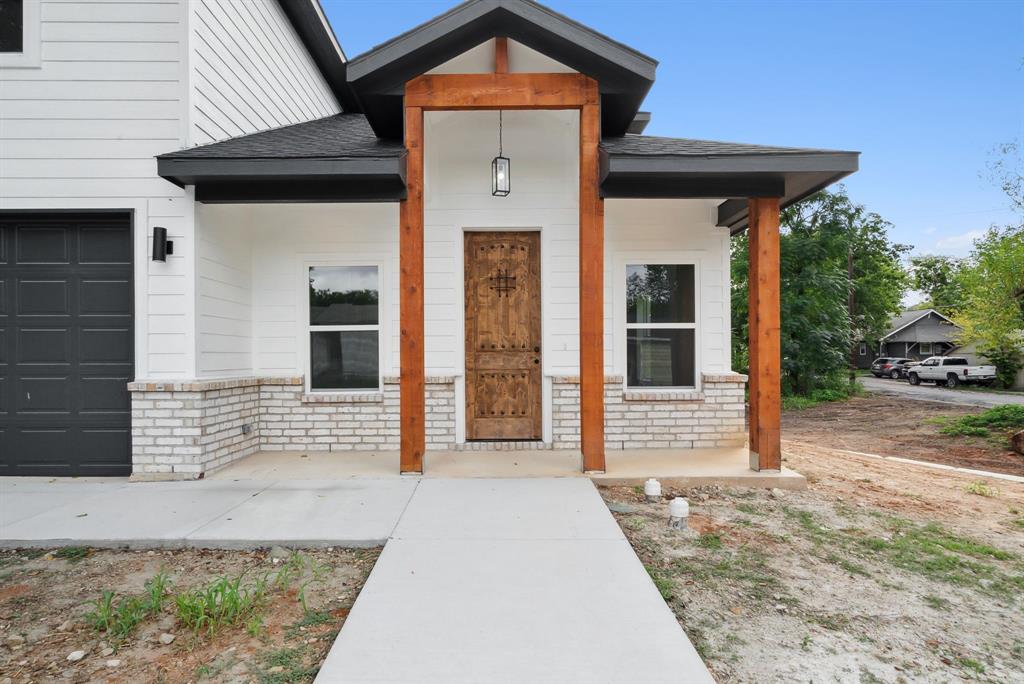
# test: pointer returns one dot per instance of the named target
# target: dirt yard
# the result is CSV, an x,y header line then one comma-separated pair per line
x,y
272,621
879,572
891,426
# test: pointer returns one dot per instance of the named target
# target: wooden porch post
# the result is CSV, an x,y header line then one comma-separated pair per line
x,y
764,335
410,261
591,293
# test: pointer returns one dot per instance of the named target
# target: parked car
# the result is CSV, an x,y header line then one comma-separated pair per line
x,y
889,367
950,371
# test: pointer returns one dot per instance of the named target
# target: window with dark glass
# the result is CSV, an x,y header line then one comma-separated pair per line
x,y
344,328
661,325
12,26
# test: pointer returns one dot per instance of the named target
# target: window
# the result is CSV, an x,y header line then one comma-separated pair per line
x,y
863,349
926,348
344,328
661,325
12,26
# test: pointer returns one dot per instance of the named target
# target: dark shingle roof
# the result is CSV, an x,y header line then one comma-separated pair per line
x,y
650,145
337,136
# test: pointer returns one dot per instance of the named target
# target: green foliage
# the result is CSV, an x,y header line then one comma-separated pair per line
x,y
221,603
822,237
662,583
981,489
992,313
709,540
838,392
72,554
1003,420
118,619
936,277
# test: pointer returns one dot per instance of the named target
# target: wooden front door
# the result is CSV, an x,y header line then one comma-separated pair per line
x,y
503,361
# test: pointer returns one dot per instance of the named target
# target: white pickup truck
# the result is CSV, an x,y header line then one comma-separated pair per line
x,y
949,371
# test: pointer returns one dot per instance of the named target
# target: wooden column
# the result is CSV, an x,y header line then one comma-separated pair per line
x,y
764,335
591,293
410,262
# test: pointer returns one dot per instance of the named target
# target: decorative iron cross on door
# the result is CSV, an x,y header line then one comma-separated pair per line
x,y
502,282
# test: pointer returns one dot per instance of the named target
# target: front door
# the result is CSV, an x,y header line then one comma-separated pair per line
x,y
503,362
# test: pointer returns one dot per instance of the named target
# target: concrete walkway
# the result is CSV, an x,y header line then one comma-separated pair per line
x,y
44,512
482,581
929,392
510,581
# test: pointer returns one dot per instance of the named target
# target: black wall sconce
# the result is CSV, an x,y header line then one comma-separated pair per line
x,y
161,245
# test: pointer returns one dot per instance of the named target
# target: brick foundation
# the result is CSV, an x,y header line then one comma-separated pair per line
x,y
651,419
183,430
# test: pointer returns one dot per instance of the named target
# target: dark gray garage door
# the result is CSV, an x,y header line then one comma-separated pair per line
x,y
66,344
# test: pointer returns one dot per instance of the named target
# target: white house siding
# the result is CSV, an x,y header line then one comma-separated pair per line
x,y
250,71
224,296
80,130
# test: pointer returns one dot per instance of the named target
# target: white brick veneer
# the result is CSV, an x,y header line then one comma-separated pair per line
x,y
183,430
711,417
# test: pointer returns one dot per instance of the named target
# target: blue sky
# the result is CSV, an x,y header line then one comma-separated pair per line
x,y
924,90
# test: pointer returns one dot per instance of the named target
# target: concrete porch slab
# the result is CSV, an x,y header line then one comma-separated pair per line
x,y
678,467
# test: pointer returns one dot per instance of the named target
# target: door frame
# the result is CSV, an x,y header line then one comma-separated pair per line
x,y
460,297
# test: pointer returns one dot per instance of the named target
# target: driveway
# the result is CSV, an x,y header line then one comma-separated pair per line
x,y
929,392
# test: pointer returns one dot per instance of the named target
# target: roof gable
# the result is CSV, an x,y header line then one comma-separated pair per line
x,y
378,76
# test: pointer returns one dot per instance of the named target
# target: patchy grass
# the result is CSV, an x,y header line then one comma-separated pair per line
x,y
936,602
981,489
72,554
796,402
997,423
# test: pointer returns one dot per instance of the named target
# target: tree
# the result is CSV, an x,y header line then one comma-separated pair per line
x,y
841,282
992,314
936,277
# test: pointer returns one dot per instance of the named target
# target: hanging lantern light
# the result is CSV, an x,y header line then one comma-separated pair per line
x,y
501,169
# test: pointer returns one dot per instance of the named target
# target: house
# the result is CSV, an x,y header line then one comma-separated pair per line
x,y
220,235
914,334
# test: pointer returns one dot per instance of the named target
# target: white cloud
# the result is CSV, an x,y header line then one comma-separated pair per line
x,y
930,230
956,244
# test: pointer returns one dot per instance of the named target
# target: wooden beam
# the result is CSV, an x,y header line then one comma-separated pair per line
x,y
410,262
764,336
591,293
501,55
501,91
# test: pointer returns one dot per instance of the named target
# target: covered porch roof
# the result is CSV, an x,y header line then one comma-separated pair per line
x,y
340,159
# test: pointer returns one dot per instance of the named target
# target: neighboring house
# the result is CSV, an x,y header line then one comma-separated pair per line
x,y
339,272
914,334
975,358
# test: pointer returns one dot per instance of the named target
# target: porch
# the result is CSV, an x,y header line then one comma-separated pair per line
x,y
727,466
590,206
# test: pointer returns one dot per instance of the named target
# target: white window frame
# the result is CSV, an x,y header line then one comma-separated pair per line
x,y
308,328
930,348
30,56
863,349
623,262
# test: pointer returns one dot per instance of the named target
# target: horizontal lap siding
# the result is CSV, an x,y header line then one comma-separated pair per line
x,y
81,130
224,298
250,71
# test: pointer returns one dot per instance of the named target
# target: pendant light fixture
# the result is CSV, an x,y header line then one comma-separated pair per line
x,y
501,169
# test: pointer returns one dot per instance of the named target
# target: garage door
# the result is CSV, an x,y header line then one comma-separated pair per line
x,y
66,344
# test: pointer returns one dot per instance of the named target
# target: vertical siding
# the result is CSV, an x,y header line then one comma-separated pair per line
x,y
80,132
250,71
